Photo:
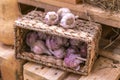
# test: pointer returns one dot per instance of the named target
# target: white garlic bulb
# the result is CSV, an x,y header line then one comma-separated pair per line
x,y
62,11
51,18
68,21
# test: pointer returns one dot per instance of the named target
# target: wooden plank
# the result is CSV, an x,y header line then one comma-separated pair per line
x,y
34,71
104,69
113,51
72,76
110,55
11,69
70,1
83,10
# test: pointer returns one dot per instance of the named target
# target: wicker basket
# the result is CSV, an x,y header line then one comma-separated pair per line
x,y
85,31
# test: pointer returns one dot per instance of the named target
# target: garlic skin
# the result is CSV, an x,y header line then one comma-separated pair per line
x,y
71,60
42,36
31,38
51,18
39,48
62,11
68,21
59,53
55,42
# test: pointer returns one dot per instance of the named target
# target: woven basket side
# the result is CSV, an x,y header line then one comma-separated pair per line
x,y
20,44
17,41
21,48
41,60
93,47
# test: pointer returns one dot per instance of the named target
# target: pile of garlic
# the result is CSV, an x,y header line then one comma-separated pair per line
x,y
63,17
72,52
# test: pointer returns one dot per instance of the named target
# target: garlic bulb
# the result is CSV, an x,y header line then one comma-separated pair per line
x,y
55,42
31,38
72,50
42,36
62,11
68,21
71,60
51,18
59,53
39,48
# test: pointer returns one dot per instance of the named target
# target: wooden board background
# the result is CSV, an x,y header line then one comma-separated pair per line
x,y
11,68
104,69
82,10
70,1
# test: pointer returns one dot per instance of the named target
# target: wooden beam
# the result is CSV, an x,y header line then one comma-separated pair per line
x,y
34,71
83,10
11,69
110,55
70,1
112,51
104,69
72,76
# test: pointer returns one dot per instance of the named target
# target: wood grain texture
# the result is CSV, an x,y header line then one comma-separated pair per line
x,y
9,12
70,1
104,69
34,71
72,76
83,10
113,51
11,69
110,55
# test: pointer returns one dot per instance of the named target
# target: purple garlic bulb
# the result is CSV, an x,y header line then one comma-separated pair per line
x,y
42,36
54,42
62,11
68,21
71,60
51,18
31,38
73,50
39,48
59,53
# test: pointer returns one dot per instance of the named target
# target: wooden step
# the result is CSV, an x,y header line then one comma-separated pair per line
x,y
84,11
104,69
112,51
11,69
34,71
110,55
70,1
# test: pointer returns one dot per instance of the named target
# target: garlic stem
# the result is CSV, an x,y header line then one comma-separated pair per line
x,y
80,58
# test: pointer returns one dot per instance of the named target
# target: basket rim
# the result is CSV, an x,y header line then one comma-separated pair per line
x,y
85,72
83,35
